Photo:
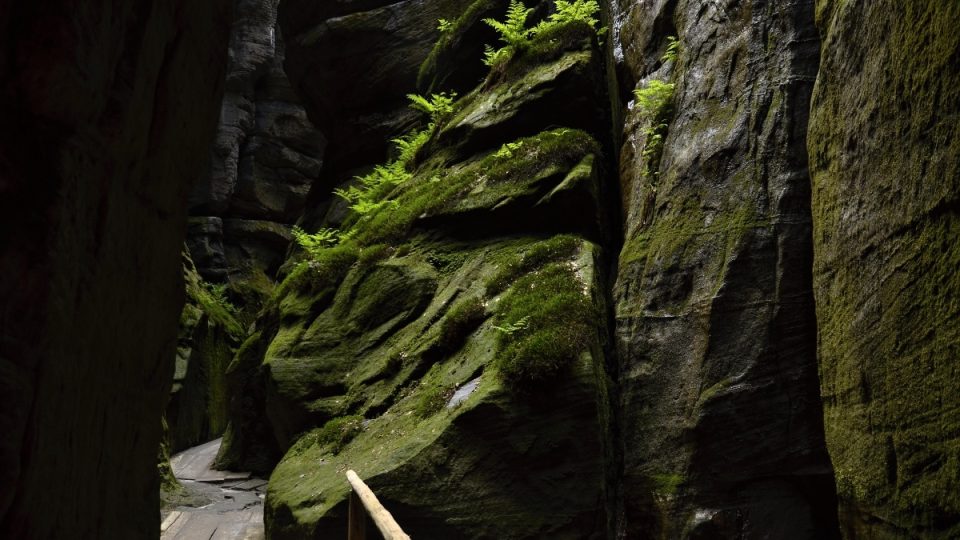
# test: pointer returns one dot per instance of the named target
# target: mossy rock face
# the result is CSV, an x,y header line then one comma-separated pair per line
x,y
451,348
514,458
562,79
309,362
719,407
456,61
209,335
353,64
885,165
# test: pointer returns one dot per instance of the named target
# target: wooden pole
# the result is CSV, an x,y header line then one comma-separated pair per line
x,y
357,519
381,518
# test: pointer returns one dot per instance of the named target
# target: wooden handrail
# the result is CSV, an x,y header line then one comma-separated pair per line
x,y
363,502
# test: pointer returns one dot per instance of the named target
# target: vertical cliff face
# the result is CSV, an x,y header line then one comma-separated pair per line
x,y
108,110
884,143
720,416
208,338
265,156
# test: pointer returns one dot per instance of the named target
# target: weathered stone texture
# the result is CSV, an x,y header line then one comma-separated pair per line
x,y
108,110
719,409
209,335
884,145
353,63
264,159
378,332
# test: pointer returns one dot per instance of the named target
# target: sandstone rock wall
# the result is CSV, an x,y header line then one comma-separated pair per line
x,y
481,275
264,159
108,109
884,146
353,63
720,416
209,336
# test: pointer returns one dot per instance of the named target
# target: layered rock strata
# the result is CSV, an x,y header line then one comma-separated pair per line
x,y
265,157
453,347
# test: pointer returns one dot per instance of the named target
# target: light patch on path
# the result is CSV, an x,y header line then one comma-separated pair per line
x,y
234,500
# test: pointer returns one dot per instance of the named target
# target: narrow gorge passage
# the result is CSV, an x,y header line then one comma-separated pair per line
x,y
216,505
572,269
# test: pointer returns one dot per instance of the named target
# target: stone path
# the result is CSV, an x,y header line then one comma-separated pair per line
x,y
233,502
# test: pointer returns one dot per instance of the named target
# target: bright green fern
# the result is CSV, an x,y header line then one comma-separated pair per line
x,y
438,106
568,12
673,50
315,243
513,31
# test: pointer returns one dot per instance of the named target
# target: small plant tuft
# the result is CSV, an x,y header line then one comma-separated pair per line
x,y
584,11
507,150
512,328
218,294
513,31
673,50
654,97
314,243
655,101
339,432
443,25
462,319
438,106
517,37
558,324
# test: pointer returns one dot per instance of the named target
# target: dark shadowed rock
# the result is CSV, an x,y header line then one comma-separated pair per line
x,y
108,112
205,243
884,147
720,417
354,62
209,335
266,156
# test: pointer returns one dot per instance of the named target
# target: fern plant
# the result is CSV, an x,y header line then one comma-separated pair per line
x,y
496,57
512,328
517,37
507,150
654,97
365,197
655,101
315,243
673,50
568,12
438,106
443,25
513,32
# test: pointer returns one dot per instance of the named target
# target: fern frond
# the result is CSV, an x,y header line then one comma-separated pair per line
x,y
513,31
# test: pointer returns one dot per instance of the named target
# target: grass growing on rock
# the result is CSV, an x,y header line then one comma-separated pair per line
x,y
556,248
462,319
433,394
558,323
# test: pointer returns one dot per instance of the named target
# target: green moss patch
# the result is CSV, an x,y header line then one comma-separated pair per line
x,y
546,320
